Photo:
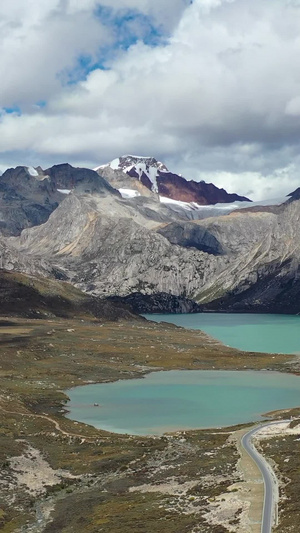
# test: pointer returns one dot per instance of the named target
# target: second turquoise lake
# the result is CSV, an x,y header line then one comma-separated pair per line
x,y
249,332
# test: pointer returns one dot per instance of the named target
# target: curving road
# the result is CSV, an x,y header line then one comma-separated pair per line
x,y
269,508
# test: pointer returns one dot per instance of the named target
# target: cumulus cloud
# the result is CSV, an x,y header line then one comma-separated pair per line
x,y
164,13
39,42
216,97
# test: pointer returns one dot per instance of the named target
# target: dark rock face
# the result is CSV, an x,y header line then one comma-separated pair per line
x,y
18,182
144,178
178,188
191,235
37,297
25,200
28,197
295,195
83,180
133,160
277,290
158,303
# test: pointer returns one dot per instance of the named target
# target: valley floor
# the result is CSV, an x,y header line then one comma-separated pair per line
x,y
61,476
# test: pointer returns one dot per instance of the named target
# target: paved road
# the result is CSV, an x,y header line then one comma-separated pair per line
x,y
269,497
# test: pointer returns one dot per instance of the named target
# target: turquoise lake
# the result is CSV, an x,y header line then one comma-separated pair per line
x,y
250,332
182,399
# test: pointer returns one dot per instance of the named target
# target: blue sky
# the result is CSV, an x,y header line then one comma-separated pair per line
x,y
130,26
212,87
127,27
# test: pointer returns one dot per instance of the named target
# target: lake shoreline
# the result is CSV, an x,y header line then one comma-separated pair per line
x,y
269,333
186,400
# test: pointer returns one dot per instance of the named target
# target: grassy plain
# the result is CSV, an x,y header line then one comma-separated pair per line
x,y
61,476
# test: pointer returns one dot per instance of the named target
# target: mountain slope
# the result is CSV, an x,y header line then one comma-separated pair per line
x,y
26,199
151,252
134,171
82,180
38,297
107,253
275,290
28,196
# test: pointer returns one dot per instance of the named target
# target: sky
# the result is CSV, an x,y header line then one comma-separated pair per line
x,y
209,87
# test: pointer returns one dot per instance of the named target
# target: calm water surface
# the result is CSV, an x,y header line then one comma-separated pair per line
x,y
254,333
181,399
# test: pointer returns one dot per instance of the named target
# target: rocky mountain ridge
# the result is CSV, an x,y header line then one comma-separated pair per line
x,y
153,257
106,254
155,176
29,195
38,297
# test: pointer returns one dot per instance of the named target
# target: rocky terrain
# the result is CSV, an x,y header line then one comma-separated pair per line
x,y
157,256
148,173
161,302
26,199
28,196
39,297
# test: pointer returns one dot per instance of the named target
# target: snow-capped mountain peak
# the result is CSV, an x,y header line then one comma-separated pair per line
x,y
155,176
139,167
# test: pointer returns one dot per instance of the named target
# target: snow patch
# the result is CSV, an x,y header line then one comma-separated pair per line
x,y
115,164
190,206
193,206
32,171
137,156
129,193
64,191
151,173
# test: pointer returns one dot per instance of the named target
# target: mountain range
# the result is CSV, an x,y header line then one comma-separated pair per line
x,y
111,234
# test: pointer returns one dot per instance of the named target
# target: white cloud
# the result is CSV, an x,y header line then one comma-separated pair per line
x,y
165,13
293,106
256,185
38,43
218,101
